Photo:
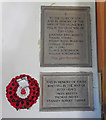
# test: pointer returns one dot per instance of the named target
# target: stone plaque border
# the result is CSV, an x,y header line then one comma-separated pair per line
x,y
90,93
87,9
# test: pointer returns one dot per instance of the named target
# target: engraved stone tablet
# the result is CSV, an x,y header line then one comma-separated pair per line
x,y
65,36
66,91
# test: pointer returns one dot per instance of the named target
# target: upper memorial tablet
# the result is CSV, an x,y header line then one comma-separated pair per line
x,y
65,36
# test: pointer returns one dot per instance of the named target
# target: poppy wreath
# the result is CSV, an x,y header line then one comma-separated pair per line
x,y
18,102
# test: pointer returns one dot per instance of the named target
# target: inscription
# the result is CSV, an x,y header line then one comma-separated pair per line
x,y
65,36
67,91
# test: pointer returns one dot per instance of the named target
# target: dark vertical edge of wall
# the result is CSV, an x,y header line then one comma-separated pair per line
x,y
104,60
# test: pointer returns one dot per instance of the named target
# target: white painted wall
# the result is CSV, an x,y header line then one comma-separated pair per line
x,y
0,60
21,33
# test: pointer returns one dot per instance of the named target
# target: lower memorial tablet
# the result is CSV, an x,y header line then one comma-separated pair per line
x,y
66,91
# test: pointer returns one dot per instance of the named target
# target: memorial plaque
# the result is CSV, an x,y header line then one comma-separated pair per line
x,y
65,36
66,91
